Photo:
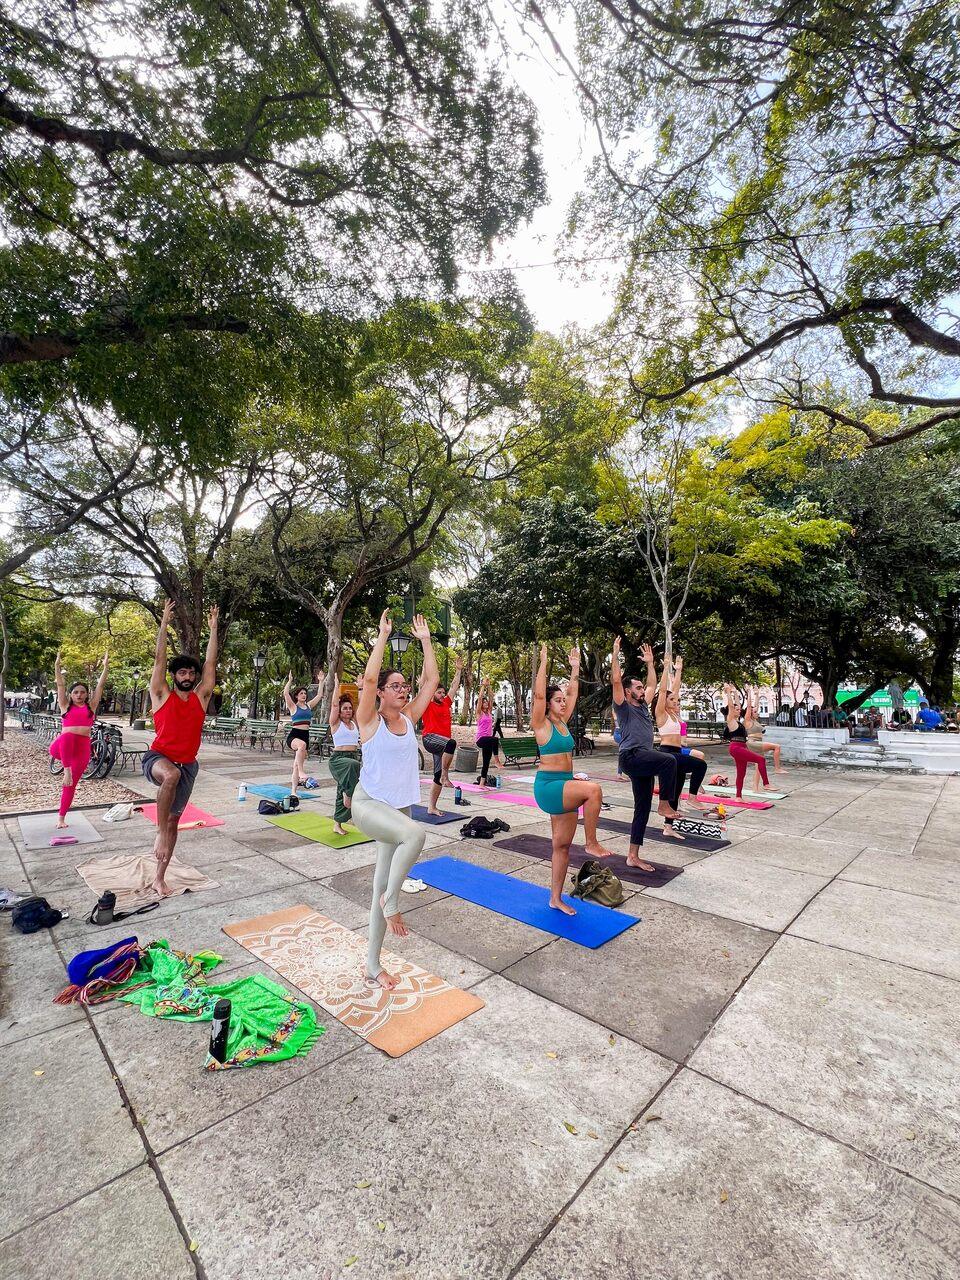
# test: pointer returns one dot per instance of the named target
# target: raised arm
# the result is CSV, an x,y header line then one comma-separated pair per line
x,y
664,689
367,707
677,676
651,690
158,676
538,707
101,683
208,677
573,688
616,673
457,677
61,684
313,702
287,699
431,672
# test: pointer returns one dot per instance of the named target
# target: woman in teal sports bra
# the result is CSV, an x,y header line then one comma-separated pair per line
x,y
555,789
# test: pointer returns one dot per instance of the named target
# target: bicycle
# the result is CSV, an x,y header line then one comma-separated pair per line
x,y
103,753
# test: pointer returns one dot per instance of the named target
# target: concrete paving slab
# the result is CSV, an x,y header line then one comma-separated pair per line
x,y
449,965
462,1142
906,873
937,850
73,1094
357,886
160,1064
29,979
741,889
315,861
484,936
859,1049
921,933
125,1230
800,853
661,984
721,1187
236,877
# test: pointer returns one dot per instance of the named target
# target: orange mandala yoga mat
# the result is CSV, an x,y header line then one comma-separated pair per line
x,y
326,961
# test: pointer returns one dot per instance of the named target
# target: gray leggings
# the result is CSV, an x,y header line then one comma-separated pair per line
x,y
399,844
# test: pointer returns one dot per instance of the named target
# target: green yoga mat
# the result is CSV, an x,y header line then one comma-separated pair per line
x,y
316,826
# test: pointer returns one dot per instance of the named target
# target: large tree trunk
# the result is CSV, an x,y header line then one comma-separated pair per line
x,y
943,665
4,660
333,620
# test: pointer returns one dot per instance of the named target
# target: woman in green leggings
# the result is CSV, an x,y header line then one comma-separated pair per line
x,y
555,789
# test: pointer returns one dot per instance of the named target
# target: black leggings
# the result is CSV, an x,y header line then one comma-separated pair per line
x,y
687,767
487,747
641,766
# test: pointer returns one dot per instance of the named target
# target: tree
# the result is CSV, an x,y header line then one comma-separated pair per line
x,y
174,177
791,230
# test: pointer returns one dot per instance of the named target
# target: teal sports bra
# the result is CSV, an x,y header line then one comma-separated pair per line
x,y
559,744
301,715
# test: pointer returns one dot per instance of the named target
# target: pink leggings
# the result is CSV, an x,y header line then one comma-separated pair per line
x,y
742,757
73,752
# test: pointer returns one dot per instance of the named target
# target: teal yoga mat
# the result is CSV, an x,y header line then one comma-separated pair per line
x,y
274,791
591,927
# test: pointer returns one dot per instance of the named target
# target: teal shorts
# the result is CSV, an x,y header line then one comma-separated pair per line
x,y
548,789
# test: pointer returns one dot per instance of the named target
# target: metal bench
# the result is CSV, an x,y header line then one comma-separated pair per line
x,y
263,733
320,740
519,750
224,729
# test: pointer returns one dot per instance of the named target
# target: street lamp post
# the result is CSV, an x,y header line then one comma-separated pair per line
x,y
133,696
259,662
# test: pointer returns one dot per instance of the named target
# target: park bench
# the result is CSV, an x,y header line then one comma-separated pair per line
x,y
704,728
264,733
224,729
320,740
519,750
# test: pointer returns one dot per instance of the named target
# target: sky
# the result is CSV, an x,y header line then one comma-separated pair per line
x,y
556,297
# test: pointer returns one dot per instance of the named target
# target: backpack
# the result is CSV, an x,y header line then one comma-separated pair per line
x,y
481,828
289,804
598,883
33,914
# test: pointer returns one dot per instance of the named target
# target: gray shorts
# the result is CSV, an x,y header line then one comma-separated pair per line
x,y
188,776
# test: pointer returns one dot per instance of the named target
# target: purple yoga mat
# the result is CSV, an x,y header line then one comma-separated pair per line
x,y
541,847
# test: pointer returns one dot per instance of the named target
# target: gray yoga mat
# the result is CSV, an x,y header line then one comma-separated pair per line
x,y
38,828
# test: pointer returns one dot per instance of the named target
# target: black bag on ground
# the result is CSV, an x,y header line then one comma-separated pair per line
x,y
481,828
289,804
598,883
33,914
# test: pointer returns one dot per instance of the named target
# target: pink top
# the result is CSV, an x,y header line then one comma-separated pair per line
x,y
77,714
485,725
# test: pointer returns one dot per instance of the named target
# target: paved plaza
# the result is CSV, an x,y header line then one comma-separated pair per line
x,y
761,1079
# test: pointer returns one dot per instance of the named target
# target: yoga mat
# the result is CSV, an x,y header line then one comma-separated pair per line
x,y
542,847
37,829
318,827
654,833
750,795
726,801
592,926
274,791
713,793
509,797
326,962
131,878
191,817
419,812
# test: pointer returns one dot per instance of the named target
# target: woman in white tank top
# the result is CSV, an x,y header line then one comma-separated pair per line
x,y
344,759
390,783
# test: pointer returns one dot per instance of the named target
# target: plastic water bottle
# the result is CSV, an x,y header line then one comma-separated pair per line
x,y
457,794
242,791
499,782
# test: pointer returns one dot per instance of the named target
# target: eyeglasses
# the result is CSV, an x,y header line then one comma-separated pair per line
x,y
398,688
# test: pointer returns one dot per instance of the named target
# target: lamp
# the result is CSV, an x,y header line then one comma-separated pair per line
x,y
133,696
399,643
259,662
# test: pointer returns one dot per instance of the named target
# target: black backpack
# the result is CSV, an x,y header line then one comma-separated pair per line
x,y
289,804
481,828
33,914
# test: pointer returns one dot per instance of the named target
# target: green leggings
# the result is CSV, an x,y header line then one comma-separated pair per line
x,y
345,769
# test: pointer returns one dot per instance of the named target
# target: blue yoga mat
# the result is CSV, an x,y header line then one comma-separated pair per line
x,y
592,926
419,811
274,791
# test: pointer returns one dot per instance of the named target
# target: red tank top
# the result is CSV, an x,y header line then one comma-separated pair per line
x,y
438,717
179,725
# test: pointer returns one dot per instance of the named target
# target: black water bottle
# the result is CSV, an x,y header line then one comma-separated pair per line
x,y
219,1030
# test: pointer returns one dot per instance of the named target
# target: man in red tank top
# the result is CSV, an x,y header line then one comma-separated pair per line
x,y
178,713
437,736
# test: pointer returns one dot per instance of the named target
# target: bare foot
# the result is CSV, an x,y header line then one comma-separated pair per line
x,y
597,851
394,923
61,823
670,834
560,905
339,830
781,770
383,979
348,802
435,812
160,886
639,864
666,809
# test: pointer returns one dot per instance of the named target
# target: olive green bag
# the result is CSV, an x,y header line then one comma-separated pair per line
x,y
598,883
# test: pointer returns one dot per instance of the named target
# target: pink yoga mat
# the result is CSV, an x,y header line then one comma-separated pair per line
x,y
704,795
191,816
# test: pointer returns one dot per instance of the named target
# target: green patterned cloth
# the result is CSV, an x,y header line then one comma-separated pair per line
x,y
266,1023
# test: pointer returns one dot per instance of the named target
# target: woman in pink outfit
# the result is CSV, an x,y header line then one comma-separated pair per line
x,y
72,747
486,738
